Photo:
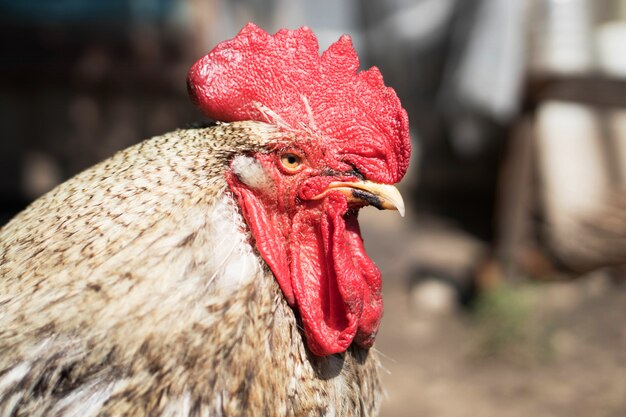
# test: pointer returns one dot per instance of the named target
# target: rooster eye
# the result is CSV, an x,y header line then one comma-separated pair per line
x,y
291,162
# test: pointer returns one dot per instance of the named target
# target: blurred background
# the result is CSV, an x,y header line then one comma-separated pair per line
x,y
505,285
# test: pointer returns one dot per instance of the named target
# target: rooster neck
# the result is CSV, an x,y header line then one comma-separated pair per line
x,y
133,289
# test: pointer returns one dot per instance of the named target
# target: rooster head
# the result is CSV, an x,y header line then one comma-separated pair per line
x,y
343,142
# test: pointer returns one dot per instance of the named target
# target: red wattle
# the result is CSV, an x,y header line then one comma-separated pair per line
x,y
372,296
320,264
339,302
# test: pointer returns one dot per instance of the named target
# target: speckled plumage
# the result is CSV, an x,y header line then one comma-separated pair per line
x,y
133,290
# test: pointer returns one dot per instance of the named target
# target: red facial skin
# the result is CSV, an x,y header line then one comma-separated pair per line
x,y
314,248
350,120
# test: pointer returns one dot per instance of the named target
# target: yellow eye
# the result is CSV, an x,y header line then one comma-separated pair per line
x,y
291,162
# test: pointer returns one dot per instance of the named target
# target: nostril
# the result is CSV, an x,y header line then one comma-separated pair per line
x,y
355,172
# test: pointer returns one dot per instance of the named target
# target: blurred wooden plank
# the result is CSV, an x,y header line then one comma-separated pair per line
x,y
515,199
596,90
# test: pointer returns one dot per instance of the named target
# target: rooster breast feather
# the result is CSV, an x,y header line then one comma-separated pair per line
x,y
133,289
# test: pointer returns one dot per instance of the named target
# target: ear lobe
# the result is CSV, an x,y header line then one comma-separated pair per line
x,y
266,226
250,172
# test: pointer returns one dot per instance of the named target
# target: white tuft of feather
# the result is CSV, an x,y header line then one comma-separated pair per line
x,y
312,127
84,402
178,407
251,172
13,377
232,258
271,116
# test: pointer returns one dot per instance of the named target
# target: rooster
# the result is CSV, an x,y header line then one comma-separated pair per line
x,y
215,271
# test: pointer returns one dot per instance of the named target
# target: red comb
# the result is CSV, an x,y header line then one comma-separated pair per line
x,y
256,75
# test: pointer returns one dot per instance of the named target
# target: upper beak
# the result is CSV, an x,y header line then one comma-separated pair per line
x,y
381,196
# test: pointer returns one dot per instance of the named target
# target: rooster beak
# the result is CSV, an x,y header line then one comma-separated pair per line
x,y
381,196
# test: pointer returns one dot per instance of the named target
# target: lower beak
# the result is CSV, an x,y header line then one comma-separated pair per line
x,y
381,196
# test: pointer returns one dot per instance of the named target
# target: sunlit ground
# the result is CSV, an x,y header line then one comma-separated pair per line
x,y
555,349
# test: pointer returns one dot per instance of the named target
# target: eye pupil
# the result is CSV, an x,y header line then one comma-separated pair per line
x,y
291,161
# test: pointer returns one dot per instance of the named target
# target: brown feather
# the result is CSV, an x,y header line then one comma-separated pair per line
x,y
112,300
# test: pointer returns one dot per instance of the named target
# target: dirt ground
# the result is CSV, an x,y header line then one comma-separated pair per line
x,y
549,349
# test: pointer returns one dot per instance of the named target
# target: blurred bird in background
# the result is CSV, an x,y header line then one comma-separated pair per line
x,y
217,270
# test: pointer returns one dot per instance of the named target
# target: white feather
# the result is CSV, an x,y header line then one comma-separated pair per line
x,y
84,402
251,172
15,375
233,259
178,407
